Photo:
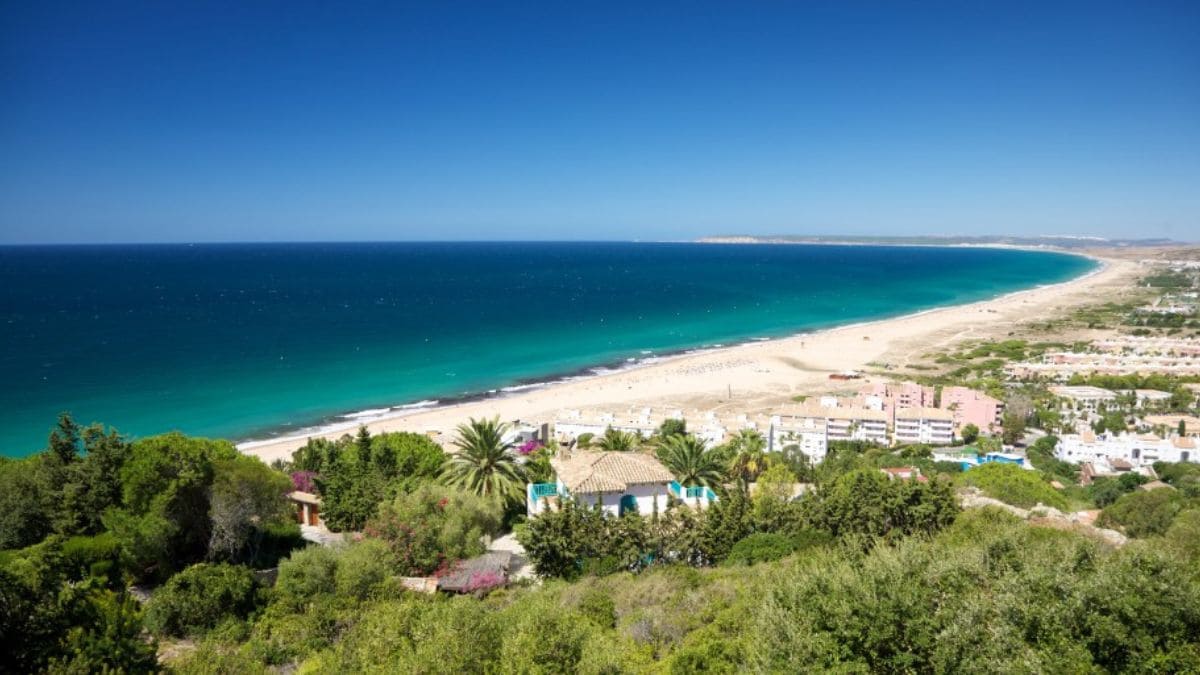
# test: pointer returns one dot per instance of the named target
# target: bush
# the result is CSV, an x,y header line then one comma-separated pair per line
x,y
276,541
433,527
416,634
363,569
868,504
199,598
760,547
1142,514
308,573
97,556
1013,485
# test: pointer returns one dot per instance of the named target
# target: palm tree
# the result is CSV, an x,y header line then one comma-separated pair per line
x,y
691,461
483,464
618,441
749,458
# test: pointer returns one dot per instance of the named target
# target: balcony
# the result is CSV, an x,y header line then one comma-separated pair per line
x,y
694,495
540,490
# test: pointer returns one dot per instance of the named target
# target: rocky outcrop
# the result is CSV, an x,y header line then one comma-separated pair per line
x,y
1045,516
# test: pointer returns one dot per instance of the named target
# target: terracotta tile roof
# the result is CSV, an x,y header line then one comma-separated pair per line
x,y
587,471
1185,443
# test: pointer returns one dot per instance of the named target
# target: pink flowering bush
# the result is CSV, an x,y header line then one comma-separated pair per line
x,y
484,581
303,481
529,447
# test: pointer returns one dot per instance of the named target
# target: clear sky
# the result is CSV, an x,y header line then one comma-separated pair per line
x,y
250,121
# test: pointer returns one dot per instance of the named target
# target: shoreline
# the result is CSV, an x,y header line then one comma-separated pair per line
x,y
541,399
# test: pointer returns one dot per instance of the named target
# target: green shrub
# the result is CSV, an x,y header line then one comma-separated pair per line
x,y
309,572
363,569
212,658
96,556
1013,485
200,597
599,607
433,527
760,547
867,504
416,634
1142,514
277,542
542,637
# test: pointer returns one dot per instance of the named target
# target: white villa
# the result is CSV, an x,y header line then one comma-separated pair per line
x,y
619,482
1151,397
1136,449
1087,398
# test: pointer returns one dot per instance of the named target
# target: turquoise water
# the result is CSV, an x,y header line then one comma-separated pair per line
x,y
242,341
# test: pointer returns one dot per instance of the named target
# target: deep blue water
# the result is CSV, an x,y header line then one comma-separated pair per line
x,y
243,340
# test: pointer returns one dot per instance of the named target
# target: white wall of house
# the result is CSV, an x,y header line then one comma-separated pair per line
x,y
570,430
1129,447
647,496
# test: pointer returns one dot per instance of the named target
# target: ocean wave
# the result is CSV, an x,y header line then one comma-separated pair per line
x,y
371,412
429,403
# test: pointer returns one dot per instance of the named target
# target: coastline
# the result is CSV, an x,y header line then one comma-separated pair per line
x,y
763,371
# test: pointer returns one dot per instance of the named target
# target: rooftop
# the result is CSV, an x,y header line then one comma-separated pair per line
x,y
924,414
588,471
1082,391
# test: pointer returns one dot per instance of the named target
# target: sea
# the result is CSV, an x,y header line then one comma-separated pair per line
x,y
246,341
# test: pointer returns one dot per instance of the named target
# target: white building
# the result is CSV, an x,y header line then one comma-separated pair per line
x,y
932,426
571,424
1136,449
807,432
1151,397
619,482
856,424
1085,397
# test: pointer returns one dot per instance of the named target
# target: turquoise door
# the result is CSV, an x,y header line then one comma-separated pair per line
x,y
628,504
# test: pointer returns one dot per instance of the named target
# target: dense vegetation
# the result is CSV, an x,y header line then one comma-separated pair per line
x,y
863,572
987,594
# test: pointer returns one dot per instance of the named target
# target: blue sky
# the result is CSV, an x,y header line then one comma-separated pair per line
x,y
179,121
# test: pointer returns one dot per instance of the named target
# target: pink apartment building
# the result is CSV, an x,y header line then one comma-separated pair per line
x,y
972,407
895,395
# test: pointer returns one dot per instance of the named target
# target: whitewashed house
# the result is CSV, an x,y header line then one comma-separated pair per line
x,y
1084,397
619,482
1136,449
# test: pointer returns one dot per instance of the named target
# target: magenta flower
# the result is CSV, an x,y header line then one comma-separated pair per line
x,y
529,447
484,580
302,481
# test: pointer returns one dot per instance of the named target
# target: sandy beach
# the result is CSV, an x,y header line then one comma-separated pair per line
x,y
756,376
